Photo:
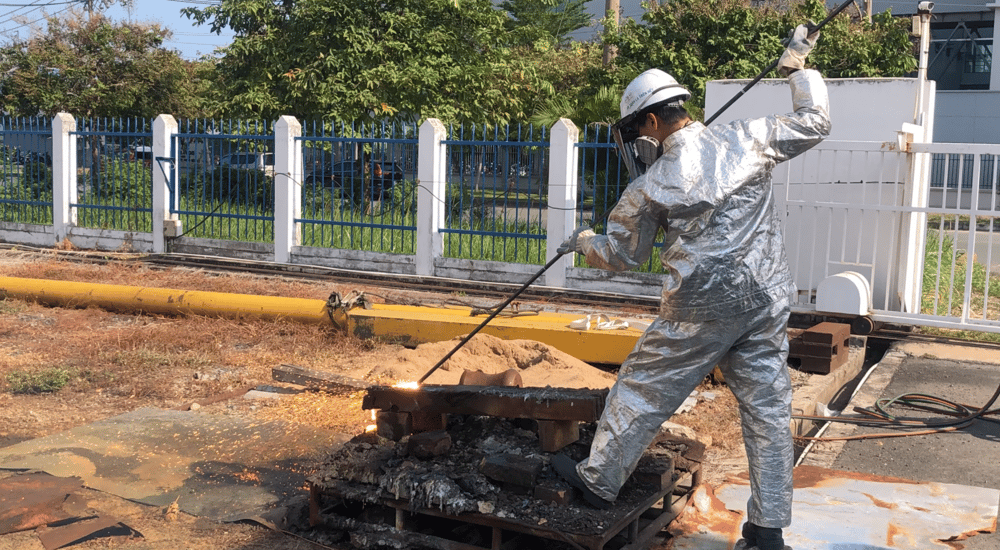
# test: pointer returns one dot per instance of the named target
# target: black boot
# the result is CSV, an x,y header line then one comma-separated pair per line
x,y
762,538
566,468
769,538
750,534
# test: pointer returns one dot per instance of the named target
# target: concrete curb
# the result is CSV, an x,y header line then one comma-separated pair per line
x,y
821,389
824,453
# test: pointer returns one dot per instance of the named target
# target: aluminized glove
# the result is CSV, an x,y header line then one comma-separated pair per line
x,y
575,242
799,43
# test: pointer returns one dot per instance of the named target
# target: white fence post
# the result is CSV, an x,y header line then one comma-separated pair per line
x,y
995,67
432,188
563,189
64,191
287,187
164,128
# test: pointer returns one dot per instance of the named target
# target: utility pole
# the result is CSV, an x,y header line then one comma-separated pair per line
x,y
609,50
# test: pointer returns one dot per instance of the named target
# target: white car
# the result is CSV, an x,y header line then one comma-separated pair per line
x,y
250,161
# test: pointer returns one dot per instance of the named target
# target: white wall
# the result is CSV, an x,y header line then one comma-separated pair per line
x,y
862,109
966,116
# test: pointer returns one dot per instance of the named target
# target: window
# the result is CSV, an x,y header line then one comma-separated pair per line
x,y
980,59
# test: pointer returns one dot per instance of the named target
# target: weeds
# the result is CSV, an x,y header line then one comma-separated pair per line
x,y
8,307
944,279
49,380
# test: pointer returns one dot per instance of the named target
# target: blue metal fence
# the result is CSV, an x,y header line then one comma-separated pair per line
x,y
114,164
359,186
225,179
358,182
26,170
603,179
497,193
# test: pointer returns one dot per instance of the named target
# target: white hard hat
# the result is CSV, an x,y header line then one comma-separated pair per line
x,y
651,87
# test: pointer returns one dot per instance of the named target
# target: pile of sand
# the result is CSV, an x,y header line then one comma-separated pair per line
x,y
539,364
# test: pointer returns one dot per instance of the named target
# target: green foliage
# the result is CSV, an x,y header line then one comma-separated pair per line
x,y
236,186
404,197
223,219
91,66
458,199
45,381
358,191
945,274
603,191
549,21
10,306
36,181
350,60
562,75
701,40
123,182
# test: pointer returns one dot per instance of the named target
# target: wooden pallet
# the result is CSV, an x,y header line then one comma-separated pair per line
x,y
392,522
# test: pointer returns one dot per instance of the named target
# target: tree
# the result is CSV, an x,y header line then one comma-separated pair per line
x,y
701,40
547,20
356,60
91,66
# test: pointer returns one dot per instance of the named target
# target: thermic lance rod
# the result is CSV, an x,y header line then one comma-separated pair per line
x,y
774,65
496,311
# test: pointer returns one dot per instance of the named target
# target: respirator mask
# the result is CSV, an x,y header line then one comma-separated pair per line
x,y
648,149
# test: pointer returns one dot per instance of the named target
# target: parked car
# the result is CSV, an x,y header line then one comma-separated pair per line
x,y
141,153
249,161
376,176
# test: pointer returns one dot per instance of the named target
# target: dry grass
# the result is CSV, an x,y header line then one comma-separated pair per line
x,y
119,362
718,419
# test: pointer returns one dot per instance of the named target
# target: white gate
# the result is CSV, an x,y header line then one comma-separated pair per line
x,y
921,223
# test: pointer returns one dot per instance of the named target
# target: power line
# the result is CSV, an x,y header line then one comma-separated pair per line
x,y
42,5
39,19
25,6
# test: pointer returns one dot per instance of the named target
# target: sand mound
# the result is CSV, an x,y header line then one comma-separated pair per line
x,y
540,365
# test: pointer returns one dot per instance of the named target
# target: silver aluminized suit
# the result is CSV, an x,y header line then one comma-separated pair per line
x,y
726,293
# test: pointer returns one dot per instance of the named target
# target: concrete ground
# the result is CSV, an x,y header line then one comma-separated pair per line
x,y
965,374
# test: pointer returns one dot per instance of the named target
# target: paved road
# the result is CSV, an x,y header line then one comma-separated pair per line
x,y
967,457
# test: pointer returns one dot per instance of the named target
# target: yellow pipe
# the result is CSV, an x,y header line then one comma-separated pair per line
x,y
408,325
163,300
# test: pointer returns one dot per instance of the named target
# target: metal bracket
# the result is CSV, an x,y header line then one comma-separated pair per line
x,y
160,161
337,308
515,311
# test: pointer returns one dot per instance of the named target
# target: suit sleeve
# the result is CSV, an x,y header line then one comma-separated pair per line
x,y
789,135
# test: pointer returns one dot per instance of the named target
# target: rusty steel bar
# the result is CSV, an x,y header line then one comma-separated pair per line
x,y
504,402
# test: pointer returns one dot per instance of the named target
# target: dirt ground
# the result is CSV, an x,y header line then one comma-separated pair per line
x,y
63,367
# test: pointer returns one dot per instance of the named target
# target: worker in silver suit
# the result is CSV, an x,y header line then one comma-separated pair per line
x,y
727,288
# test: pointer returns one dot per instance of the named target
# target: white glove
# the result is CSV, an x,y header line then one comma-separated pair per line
x,y
575,242
799,43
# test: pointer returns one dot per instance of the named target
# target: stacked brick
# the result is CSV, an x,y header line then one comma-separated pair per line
x,y
821,349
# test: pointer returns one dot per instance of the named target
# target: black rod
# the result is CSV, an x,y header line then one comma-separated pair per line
x,y
774,65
